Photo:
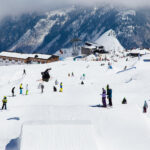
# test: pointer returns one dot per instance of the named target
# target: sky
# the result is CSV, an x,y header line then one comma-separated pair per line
x,y
14,7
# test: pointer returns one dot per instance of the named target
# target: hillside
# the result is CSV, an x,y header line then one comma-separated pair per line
x,y
75,114
53,30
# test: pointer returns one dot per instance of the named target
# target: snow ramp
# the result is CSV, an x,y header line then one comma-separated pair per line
x,y
58,135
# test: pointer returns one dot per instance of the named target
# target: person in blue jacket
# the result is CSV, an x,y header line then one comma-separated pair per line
x,y
109,96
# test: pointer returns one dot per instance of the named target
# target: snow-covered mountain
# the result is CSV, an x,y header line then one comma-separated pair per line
x,y
110,41
53,30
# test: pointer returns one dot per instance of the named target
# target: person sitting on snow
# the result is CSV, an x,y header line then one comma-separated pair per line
x,y
124,101
82,83
145,107
54,89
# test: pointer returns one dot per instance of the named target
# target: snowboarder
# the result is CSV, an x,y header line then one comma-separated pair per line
x,y
124,101
13,91
145,107
104,97
27,90
61,87
42,88
54,89
4,101
21,88
109,96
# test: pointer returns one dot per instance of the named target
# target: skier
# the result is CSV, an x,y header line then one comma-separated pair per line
x,y
4,101
61,87
54,89
145,107
124,101
109,96
21,88
27,90
42,88
104,97
13,91
68,74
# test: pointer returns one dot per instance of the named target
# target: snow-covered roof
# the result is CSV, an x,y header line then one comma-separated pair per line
x,y
142,52
24,56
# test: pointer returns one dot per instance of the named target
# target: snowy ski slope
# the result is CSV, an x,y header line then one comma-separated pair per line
x,y
122,127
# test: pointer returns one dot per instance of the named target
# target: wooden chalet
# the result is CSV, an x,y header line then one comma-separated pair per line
x,y
18,58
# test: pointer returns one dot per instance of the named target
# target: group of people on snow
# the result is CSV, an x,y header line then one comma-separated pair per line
x,y
108,95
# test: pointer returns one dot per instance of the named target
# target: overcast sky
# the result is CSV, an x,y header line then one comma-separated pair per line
x,y
8,7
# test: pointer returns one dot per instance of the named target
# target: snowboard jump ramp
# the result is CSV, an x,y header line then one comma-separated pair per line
x,y
58,135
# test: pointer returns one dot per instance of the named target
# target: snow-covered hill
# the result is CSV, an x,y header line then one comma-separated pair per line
x,y
110,41
73,116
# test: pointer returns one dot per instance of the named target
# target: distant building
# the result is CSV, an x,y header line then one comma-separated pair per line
x,y
92,48
137,52
8,58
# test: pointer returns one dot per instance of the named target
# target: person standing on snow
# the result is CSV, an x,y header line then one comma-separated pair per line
x,y
72,74
145,107
27,90
107,88
24,72
13,91
104,97
109,96
56,82
4,101
42,88
21,88
61,87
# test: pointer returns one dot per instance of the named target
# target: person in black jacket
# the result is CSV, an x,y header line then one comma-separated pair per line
x,y
13,91
109,96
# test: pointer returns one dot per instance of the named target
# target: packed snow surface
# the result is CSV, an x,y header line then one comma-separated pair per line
x,y
37,118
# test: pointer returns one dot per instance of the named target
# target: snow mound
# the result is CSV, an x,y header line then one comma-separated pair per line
x,y
58,135
110,41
